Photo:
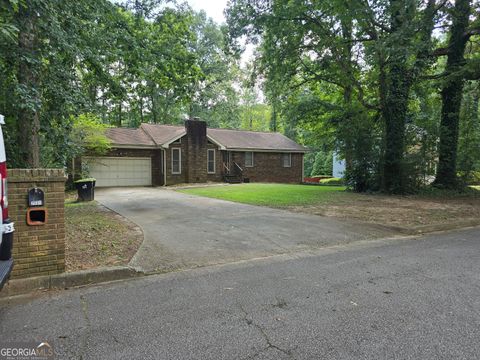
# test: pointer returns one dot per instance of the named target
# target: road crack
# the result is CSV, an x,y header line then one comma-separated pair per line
x,y
86,334
270,345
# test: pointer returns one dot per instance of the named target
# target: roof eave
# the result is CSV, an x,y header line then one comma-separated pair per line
x,y
302,151
165,145
133,146
220,145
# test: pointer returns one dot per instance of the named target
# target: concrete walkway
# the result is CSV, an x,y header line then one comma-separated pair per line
x,y
186,231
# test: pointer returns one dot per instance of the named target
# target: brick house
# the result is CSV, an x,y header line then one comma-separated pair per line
x,y
165,155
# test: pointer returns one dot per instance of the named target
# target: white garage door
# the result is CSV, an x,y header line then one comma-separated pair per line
x,y
120,171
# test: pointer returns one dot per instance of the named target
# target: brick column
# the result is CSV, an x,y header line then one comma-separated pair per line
x,y
37,250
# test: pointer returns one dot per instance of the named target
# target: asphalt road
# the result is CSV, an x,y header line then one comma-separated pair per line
x,y
186,231
416,298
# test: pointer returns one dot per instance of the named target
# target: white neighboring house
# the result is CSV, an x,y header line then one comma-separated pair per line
x,y
338,166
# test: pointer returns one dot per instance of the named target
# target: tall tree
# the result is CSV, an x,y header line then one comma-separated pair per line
x,y
351,45
28,120
59,59
213,95
452,96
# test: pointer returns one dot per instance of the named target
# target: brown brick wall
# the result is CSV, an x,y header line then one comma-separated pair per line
x,y
194,145
173,179
199,165
37,250
218,176
267,167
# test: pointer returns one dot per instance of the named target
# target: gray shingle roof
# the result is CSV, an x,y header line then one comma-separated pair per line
x,y
126,136
254,140
162,134
157,135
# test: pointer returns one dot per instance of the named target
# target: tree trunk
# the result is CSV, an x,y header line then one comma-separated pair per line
x,y
394,113
92,93
452,98
190,110
141,109
154,108
347,100
119,118
394,108
103,109
28,116
273,117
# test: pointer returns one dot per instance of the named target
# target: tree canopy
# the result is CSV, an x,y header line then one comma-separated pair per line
x,y
366,73
126,63
390,85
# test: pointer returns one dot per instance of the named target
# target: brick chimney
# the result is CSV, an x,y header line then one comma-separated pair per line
x,y
196,159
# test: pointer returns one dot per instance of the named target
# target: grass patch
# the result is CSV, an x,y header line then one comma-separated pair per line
x,y
430,207
274,195
96,236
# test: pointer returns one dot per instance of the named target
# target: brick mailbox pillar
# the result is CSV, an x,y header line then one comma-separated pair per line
x,y
37,249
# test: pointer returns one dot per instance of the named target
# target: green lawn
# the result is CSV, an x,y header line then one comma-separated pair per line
x,y
271,194
430,207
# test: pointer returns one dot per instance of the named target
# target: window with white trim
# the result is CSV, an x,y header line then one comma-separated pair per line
x,y
211,161
248,159
176,161
287,160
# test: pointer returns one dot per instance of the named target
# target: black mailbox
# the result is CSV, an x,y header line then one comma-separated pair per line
x,y
36,197
36,212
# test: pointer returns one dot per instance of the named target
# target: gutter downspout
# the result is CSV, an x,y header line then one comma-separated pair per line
x,y
164,167
303,168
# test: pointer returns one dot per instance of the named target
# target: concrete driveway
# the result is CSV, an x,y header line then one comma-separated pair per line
x,y
186,231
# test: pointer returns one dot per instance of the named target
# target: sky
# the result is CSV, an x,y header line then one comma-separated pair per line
x,y
213,8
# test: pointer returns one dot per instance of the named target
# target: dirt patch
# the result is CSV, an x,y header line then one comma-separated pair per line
x,y
401,211
97,236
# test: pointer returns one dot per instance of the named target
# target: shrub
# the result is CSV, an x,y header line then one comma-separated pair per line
x,y
315,179
470,177
332,181
85,180
322,176
88,135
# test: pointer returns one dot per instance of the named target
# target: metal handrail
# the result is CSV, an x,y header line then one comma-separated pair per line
x,y
239,167
226,167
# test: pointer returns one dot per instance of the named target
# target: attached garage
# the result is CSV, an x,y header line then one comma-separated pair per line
x,y
120,171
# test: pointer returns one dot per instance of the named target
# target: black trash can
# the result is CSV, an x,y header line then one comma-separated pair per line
x,y
86,189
